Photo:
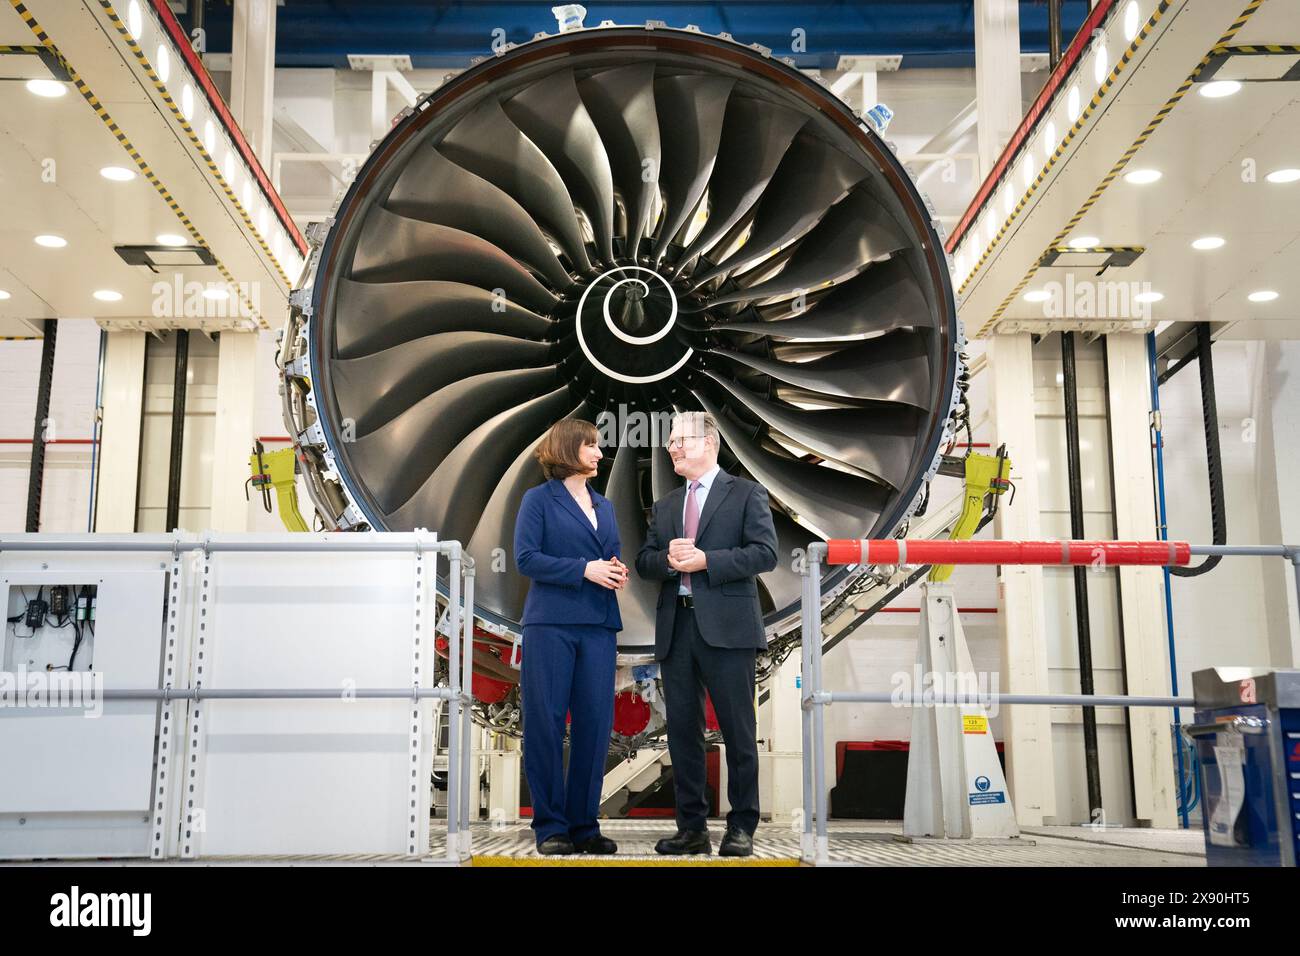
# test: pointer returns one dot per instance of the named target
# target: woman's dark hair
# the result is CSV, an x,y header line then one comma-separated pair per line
x,y
558,451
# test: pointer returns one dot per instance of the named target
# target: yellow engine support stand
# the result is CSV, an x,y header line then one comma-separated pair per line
x,y
985,475
279,474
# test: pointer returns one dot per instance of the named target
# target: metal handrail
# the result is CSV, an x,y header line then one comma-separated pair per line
x,y
814,700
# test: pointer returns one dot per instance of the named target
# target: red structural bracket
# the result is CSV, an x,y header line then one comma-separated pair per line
x,y
921,551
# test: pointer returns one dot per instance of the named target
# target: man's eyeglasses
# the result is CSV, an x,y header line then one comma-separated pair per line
x,y
681,441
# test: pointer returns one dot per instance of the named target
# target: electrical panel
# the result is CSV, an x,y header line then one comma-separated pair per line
x,y
50,627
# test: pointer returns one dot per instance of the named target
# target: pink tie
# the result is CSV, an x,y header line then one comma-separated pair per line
x,y
691,525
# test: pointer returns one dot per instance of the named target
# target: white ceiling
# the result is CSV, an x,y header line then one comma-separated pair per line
x,y
1207,150
51,153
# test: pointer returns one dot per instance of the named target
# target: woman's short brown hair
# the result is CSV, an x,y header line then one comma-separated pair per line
x,y
558,451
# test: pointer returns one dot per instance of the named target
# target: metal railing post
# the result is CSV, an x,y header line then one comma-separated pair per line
x,y
468,780
806,846
454,573
815,554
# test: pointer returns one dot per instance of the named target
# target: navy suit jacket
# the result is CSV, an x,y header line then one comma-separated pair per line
x,y
554,540
737,535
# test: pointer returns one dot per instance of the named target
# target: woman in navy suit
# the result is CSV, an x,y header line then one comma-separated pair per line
x,y
566,541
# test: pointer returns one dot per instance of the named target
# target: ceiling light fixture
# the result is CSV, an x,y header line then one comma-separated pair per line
x,y
1143,177
50,89
1218,89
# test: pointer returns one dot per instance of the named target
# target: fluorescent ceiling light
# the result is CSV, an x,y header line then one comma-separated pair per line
x,y
1141,177
1263,295
134,21
1038,295
1148,297
1084,242
1217,89
1283,176
1208,242
119,174
1131,21
50,89
108,295
170,239
51,242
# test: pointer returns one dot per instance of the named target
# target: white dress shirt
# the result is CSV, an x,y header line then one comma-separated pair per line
x,y
701,493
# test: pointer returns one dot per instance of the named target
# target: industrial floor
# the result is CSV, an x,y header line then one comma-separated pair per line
x,y
851,843
863,843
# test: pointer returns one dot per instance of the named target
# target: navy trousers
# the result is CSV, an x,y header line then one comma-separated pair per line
x,y
567,670
692,667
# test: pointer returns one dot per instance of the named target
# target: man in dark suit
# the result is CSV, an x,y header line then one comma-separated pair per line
x,y
706,542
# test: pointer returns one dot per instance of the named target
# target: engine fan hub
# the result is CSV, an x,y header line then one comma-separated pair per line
x,y
624,324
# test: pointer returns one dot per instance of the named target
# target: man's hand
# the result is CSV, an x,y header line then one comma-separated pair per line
x,y
691,559
680,548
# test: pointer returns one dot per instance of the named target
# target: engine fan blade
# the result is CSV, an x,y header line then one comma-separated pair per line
x,y
855,232
890,368
552,115
691,109
487,143
393,248
454,498
377,316
755,136
374,389
811,178
883,297
827,502
878,442
412,445
434,189
621,103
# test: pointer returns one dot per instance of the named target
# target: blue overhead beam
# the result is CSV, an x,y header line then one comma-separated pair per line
x,y
321,33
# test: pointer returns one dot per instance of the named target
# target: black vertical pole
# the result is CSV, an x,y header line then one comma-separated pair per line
x,y
178,429
1070,381
1054,32
44,385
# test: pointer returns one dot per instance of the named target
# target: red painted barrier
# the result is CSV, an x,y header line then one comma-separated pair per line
x,y
910,551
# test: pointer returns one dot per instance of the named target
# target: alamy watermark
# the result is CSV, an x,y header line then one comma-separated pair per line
x,y
918,688
77,690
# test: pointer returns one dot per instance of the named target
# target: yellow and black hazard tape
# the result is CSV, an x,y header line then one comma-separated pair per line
x,y
21,338
121,137
1255,49
1118,256
1120,65
1123,161
195,139
1222,54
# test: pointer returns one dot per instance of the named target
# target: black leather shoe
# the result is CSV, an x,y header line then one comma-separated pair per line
x,y
736,843
685,843
598,845
557,845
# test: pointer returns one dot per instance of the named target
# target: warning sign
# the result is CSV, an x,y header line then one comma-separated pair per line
x,y
974,724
